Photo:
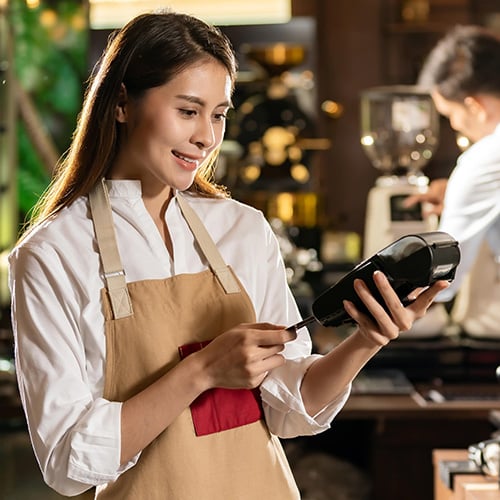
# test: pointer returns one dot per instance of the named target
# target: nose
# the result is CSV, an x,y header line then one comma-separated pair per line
x,y
204,134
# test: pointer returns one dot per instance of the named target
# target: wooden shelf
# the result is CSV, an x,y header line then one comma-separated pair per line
x,y
427,28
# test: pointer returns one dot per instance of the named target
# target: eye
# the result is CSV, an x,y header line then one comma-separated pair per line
x,y
219,117
187,112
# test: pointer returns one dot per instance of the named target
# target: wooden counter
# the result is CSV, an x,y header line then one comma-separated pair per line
x,y
416,405
465,486
392,437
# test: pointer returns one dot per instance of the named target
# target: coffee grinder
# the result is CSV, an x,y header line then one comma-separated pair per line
x,y
399,133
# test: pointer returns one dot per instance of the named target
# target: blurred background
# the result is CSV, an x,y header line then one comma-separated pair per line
x,y
298,148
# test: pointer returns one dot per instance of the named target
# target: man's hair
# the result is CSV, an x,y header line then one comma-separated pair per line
x,y
465,62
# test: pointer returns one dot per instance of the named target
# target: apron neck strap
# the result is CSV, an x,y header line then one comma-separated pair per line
x,y
208,247
114,273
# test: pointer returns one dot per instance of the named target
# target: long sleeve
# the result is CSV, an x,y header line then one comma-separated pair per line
x,y
71,429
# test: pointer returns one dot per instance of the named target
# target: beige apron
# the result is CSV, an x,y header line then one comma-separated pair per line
x,y
242,463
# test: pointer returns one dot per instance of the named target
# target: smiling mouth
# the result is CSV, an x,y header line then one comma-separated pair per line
x,y
185,158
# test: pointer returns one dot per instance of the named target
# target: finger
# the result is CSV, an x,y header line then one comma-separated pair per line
x,y
415,293
382,318
426,298
411,200
269,363
380,331
263,326
391,298
397,311
266,352
261,369
274,337
361,319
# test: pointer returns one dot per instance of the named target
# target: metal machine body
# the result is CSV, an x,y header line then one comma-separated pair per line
x,y
399,134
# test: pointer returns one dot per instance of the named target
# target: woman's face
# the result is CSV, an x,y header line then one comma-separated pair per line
x,y
172,129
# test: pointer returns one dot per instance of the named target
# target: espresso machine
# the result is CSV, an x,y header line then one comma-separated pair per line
x,y
399,134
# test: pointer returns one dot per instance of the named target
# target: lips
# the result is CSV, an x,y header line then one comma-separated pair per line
x,y
187,162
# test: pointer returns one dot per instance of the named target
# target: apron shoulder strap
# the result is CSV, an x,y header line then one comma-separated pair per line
x,y
114,273
208,247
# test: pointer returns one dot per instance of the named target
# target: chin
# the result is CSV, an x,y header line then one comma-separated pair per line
x,y
183,186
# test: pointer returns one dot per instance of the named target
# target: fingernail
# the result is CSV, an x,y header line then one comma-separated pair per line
x,y
358,283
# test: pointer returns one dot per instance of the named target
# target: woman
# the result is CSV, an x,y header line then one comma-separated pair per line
x,y
150,310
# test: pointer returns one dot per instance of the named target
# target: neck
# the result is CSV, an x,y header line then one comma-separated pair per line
x,y
157,207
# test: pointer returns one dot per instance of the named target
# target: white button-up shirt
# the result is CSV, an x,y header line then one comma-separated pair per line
x,y
56,279
471,211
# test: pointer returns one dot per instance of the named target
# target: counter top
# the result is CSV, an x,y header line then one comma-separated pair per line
x,y
476,400
465,486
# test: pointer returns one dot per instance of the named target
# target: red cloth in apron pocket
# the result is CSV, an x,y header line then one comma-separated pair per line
x,y
221,409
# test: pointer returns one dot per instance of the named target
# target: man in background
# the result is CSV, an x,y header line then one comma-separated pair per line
x,y
462,73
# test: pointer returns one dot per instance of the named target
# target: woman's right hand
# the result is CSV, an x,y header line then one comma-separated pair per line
x,y
242,356
238,358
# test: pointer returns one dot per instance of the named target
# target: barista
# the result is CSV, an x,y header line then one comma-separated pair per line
x,y
462,73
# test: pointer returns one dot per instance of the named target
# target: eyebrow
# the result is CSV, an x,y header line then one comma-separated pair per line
x,y
196,100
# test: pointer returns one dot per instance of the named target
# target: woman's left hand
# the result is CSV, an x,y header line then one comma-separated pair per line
x,y
386,326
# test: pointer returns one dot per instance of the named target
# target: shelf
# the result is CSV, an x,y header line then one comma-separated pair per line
x,y
433,28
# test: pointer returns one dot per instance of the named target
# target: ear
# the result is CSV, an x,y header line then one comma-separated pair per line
x,y
476,106
121,108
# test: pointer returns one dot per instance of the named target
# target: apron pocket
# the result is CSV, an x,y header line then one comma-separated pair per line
x,y
221,409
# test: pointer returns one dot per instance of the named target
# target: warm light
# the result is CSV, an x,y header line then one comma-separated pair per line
x,y
279,53
246,108
48,18
295,153
33,4
300,173
115,13
462,142
295,208
284,206
367,140
250,173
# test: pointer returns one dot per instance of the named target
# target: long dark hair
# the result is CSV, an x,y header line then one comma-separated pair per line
x,y
148,52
